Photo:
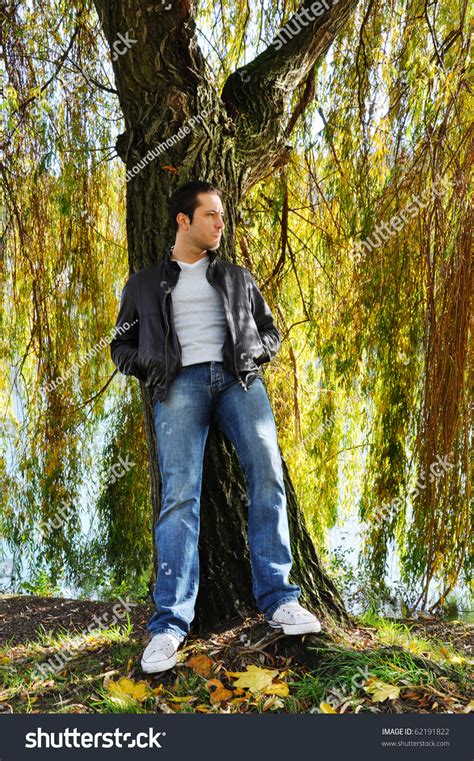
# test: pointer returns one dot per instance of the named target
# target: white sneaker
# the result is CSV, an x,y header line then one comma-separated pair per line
x,y
160,653
294,619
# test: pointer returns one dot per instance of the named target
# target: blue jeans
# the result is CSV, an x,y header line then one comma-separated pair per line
x,y
182,420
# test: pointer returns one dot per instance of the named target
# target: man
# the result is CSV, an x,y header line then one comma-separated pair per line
x,y
195,329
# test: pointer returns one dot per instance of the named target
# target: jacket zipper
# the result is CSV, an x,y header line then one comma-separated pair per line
x,y
173,326
214,285
166,342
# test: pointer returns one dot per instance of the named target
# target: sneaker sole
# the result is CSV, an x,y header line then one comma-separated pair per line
x,y
155,668
308,628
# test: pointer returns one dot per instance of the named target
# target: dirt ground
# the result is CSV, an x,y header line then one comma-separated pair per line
x,y
22,616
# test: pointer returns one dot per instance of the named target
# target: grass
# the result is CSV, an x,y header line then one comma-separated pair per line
x,y
427,675
394,633
342,674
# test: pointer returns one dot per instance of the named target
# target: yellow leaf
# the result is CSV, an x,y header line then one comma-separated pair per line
x,y
125,684
237,701
127,688
187,699
457,659
277,688
255,678
326,708
187,649
380,691
5,659
469,708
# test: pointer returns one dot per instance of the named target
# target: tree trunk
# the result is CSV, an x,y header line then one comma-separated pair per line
x,y
162,83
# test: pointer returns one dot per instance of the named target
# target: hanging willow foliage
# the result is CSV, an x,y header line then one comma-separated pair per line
x,y
372,385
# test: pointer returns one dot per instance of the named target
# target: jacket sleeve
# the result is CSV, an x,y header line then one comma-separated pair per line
x,y
269,335
124,345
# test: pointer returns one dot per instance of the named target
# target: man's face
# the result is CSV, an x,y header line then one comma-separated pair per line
x,y
207,225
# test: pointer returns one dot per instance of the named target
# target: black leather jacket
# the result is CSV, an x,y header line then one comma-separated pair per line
x,y
146,344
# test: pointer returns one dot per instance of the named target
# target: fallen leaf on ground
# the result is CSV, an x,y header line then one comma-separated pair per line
x,y
326,708
277,688
380,691
127,688
200,664
260,680
237,701
255,679
217,691
186,699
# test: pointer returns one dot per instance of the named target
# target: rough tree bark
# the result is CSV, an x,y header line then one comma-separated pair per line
x,y
162,82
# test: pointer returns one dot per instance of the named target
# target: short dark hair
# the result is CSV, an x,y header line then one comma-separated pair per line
x,y
184,199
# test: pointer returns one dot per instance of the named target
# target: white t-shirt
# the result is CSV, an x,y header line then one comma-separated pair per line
x,y
199,315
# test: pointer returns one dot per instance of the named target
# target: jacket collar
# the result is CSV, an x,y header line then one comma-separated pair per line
x,y
173,263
